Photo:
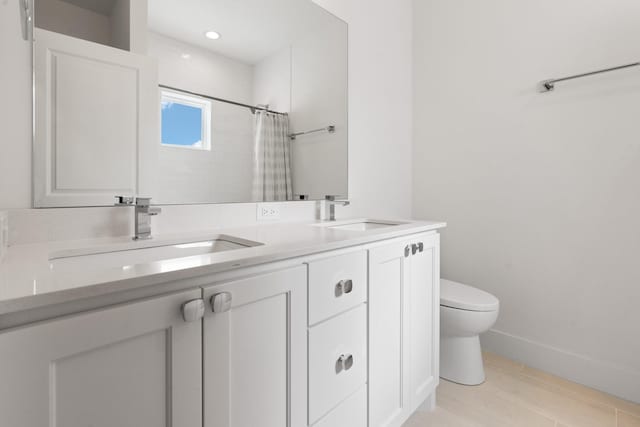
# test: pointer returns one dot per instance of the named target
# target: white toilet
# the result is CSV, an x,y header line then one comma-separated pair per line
x,y
465,313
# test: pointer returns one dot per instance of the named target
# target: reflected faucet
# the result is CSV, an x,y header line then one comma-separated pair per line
x,y
143,213
330,203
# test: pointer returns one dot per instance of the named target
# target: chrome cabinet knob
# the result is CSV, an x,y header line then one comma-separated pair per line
x,y
344,363
221,303
407,251
193,310
417,247
344,287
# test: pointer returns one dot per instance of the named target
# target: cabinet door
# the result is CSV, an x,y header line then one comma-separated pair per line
x,y
255,352
128,366
425,317
96,117
389,304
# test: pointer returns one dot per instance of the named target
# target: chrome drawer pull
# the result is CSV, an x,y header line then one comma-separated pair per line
x,y
421,246
344,287
344,363
407,251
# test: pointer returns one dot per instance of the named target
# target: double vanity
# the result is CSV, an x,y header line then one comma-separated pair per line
x,y
329,324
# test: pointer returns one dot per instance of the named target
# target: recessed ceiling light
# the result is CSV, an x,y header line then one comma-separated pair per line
x,y
185,56
212,35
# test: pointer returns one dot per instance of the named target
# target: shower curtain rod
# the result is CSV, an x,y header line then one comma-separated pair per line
x,y
253,108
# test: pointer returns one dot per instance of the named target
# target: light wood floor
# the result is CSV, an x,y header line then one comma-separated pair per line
x,y
515,395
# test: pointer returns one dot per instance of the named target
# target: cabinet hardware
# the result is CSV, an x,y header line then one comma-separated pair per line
x,y
420,246
344,287
344,363
407,251
221,303
193,310
414,249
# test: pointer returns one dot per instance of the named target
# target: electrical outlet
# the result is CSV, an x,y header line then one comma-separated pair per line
x,y
268,212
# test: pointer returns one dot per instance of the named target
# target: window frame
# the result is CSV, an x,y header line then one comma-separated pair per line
x,y
203,104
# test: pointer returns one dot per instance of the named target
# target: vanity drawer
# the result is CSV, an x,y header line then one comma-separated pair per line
x,y
336,285
350,413
337,360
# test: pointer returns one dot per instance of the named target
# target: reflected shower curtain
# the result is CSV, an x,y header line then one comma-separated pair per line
x,y
271,158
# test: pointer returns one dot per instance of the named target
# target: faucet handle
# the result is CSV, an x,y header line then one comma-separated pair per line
x,y
124,200
334,200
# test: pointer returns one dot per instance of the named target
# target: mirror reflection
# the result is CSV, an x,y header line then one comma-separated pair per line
x,y
213,101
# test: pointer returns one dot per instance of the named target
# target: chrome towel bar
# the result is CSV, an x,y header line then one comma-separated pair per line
x,y
550,85
330,129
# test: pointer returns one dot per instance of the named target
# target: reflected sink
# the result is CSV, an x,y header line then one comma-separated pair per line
x,y
360,224
125,256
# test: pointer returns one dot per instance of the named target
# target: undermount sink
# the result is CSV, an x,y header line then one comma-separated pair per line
x,y
360,225
148,251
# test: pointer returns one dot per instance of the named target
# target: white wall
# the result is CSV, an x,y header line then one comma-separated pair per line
x,y
203,72
308,79
319,91
380,93
379,132
66,18
120,24
15,110
272,81
188,176
540,191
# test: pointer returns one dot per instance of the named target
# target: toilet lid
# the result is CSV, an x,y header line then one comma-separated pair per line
x,y
464,297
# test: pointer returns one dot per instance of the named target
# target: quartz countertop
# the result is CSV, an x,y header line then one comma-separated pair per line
x,y
28,280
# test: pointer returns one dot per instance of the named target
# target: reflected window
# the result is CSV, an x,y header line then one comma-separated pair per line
x,y
186,121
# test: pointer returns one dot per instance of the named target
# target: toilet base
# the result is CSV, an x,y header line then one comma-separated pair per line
x,y
461,360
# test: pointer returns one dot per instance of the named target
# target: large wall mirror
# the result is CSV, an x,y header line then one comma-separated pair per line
x,y
191,101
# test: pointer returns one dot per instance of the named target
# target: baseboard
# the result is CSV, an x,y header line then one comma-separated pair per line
x,y
619,381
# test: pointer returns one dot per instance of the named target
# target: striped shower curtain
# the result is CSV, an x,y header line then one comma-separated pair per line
x,y
271,158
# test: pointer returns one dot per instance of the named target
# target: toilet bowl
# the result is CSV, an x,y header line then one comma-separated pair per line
x,y
465,313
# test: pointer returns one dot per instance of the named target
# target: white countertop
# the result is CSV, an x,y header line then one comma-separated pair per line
x,y
27,280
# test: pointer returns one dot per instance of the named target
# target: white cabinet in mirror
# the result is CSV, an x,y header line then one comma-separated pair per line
x,y
140,98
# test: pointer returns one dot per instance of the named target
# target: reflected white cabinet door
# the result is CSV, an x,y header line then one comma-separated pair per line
x,y
128,366
97,117
389,303
255,352
425,318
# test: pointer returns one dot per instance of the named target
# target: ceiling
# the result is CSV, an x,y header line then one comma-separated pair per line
x,y
251,29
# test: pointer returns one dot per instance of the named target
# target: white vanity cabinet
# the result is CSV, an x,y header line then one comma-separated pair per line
x,y
132,365
403,327
255,351
337,339
344,338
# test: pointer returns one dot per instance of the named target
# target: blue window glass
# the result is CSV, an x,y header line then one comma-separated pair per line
x,y
182,124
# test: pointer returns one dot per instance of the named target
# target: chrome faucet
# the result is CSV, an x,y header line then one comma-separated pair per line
x,y
330,203
143,213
